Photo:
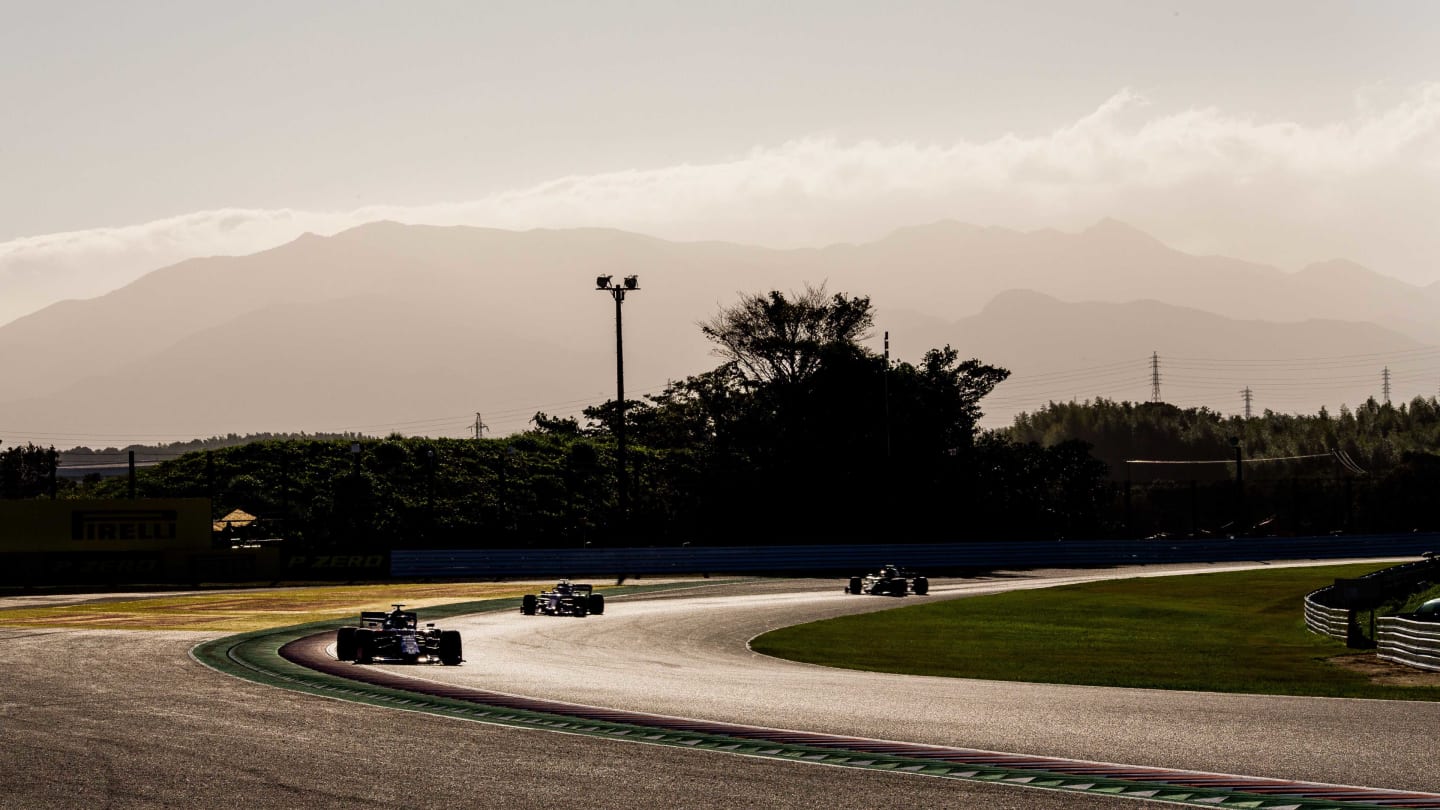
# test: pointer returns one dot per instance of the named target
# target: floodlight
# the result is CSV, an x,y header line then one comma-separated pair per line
x,y
632,282
602,282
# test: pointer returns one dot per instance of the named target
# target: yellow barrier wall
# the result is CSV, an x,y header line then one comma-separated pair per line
x,y
171,524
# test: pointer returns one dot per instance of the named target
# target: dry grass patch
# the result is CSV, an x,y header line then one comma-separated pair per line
x,y
241,611
1385,673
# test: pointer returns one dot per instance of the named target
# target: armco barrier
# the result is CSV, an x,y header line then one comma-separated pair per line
x,y
853,559
1331,612
1409,642
1327,621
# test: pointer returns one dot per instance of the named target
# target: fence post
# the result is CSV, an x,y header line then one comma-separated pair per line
x,y
1194,508
1239,486
1349,500
1129,515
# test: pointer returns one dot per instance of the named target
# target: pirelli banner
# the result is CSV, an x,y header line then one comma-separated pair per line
x,y
102,542
102,527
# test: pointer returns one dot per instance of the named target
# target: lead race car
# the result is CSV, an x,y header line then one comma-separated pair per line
x,y
396,636
889,581
565,599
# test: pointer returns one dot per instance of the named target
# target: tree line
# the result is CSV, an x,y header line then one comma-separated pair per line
x,y
801,434
1368,469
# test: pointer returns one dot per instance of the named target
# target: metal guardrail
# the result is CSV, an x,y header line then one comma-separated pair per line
x,y
1327,621
1397,639
853,559
1408,642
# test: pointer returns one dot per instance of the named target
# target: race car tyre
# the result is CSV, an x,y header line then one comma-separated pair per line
x,y
897,588
597,603
580,611
922,585
345,643
527,604
363,652
854,585
450,649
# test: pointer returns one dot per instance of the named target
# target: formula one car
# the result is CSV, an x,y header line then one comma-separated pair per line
x,y
565,599
889,581
394,636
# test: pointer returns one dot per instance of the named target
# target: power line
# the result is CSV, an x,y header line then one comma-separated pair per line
x,y
1349,463
1191,381
1227,460
1370,357
408,423
452,423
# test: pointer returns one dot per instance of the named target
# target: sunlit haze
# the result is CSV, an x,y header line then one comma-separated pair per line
x,y
1283,134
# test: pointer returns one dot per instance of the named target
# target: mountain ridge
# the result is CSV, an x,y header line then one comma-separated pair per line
x,y
463,294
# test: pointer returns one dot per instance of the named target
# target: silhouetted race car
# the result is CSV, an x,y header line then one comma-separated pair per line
x,y
565,599
889,581
395,636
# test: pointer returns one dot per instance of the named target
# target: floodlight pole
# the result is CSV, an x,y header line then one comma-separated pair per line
x,y
620,460
617,291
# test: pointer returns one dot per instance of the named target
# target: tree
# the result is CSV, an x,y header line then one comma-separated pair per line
x,y
25,471
560,425
774,339
695,412
942,396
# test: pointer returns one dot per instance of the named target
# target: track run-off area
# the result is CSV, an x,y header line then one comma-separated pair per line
x,y
671,669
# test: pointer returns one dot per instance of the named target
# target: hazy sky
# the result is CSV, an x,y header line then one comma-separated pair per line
x,y
140,133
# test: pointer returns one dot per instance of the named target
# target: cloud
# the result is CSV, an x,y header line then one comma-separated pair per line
x,y
1201,179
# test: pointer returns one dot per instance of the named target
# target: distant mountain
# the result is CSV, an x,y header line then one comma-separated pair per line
x,y
1115,262
1060,351
414,328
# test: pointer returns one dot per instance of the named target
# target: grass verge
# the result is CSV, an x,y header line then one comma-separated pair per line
x,y
244,611
1223,632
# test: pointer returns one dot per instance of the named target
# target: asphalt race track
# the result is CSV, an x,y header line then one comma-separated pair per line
x,y
686,655
127,719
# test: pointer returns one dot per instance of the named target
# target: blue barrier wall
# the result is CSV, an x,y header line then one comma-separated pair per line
x,y
855,559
